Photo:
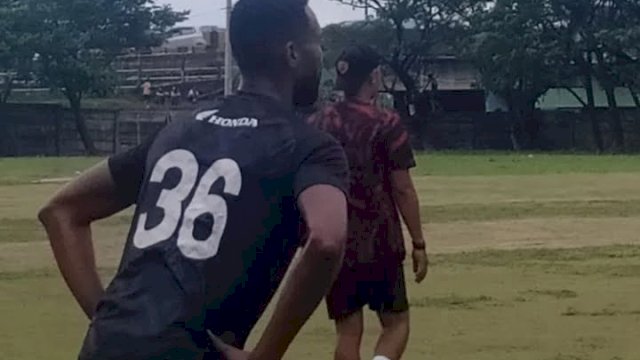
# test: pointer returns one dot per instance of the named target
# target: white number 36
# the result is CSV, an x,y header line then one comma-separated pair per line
x,y
202,203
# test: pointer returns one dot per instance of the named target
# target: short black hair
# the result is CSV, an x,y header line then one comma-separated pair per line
x,y
258,27
354,65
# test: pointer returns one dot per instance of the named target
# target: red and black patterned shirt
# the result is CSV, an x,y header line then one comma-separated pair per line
x,y
376,144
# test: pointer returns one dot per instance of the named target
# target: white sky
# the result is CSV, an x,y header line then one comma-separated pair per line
x,y
211,12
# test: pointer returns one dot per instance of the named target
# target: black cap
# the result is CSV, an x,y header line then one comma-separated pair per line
x,y
354,65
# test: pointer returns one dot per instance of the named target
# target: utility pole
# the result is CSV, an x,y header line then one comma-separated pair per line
x,y
228,59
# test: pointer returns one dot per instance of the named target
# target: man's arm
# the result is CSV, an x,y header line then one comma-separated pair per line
x,y
67,218
325,211
320,188
406,198
100,192
324,208
399,160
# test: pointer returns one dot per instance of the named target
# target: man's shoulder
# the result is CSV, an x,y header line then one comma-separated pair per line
x,y
387,117
311,140
308,135
325,114
360,110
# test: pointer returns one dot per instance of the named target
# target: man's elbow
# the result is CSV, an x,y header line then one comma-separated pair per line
x,y
47,213
328,244
52,212
404,192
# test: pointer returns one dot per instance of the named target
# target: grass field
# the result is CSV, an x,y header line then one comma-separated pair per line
x,y
535,258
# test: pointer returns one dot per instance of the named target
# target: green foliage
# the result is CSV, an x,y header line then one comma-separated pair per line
x,y
375,33
71,44
80,38
521,48
602,41
513,50
406,32
17,45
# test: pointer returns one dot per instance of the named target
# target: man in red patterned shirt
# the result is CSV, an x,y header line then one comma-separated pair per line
x,y
380,157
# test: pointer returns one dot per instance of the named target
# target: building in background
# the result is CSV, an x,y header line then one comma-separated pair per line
x,y
191,39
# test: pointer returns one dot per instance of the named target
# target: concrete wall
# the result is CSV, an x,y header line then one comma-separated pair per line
x,y
50,130
44,130
558,131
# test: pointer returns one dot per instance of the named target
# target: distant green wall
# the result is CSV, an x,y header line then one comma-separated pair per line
x,y
562,98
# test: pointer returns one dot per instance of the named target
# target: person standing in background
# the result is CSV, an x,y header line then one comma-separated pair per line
x,y
147,92
175,96
380,157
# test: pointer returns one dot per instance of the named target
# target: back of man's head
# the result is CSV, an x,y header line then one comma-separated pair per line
x,y
260,31
354,68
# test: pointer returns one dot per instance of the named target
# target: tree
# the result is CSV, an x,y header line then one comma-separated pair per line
x,y
17,45
406,32
603,41
79,40
374,33
335,37
514,55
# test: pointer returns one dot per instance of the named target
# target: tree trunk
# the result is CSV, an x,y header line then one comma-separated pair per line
x,y
402,102
634,96
415,122
531,124
609,86
513,135
590,109
418,122
81,125
6,92
616,120
521,134
516,129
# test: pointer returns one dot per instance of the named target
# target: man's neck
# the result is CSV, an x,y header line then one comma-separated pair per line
x,y
280,92
363,98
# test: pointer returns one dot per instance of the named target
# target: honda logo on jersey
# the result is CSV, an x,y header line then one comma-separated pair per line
x,y
212,118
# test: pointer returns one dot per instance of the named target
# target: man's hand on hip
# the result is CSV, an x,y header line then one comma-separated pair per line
x,y
228,352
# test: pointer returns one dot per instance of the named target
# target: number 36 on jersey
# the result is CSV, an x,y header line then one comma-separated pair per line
x,y
202,203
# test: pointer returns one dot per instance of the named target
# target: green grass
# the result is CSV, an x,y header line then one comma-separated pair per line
x,y
479,312
26,170
542,256
436,164
493,164
25,230
530,209
533,259
19,231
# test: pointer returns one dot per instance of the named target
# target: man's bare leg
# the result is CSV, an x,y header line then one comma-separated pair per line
x,y
349,330
395,335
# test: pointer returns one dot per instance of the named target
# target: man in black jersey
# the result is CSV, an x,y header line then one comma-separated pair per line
x,y
218,203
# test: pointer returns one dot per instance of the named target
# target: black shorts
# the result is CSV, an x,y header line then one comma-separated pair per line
x,y
381,287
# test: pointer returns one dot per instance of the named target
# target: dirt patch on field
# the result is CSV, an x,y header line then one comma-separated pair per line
x,y
533,233
443,238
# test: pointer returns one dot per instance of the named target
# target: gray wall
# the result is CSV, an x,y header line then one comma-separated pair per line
x,y
50,130
46,130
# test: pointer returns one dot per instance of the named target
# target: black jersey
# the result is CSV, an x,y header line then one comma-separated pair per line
x,y
215,228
